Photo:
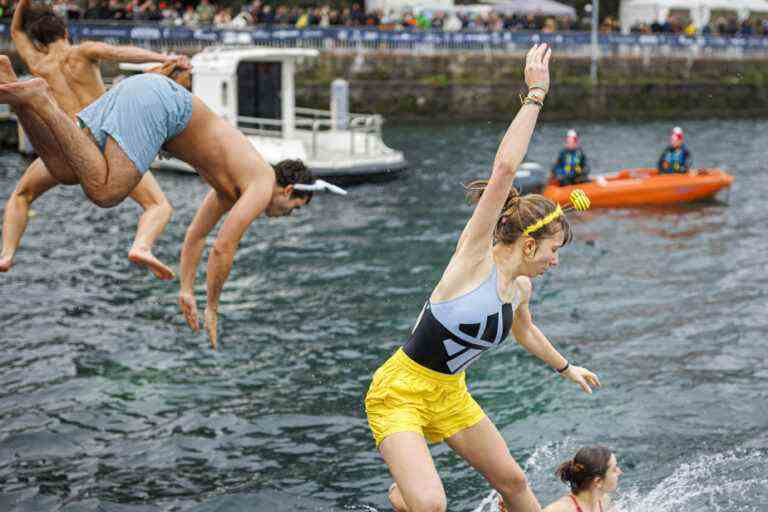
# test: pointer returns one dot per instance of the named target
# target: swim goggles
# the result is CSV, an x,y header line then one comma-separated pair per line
x,y
320,186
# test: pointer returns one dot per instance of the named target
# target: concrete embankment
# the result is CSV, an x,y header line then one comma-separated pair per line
x,y
477,86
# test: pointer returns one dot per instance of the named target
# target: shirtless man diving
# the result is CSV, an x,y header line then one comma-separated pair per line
x,y
73,74
121,133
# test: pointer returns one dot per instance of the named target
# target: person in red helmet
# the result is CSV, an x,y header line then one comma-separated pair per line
x,y
571,166
676,158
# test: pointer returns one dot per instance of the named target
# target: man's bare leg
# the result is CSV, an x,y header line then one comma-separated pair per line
x,y
157,213
106,179
34,183
37,180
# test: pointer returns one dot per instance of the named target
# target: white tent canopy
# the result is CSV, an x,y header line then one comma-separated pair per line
x,y
400,6
522,7
533,7
647,11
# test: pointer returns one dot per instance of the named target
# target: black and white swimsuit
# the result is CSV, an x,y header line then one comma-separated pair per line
x,y
452,334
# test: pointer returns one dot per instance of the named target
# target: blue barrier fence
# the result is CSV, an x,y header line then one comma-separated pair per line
x,y
146,32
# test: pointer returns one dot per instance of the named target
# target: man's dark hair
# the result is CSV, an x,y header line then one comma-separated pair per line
x,y
292,172
42,25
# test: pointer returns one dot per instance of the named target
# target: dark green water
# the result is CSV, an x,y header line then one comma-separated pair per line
x,y
108,401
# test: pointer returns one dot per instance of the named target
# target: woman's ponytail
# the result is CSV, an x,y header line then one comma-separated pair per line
x,y
589,463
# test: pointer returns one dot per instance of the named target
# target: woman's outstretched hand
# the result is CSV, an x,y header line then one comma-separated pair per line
x,y
583,377
537,67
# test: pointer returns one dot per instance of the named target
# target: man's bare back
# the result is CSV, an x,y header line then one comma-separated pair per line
x,y
72,70
221,154
75,79
74,76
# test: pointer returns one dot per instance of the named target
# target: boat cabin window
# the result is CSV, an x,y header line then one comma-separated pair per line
x,y
259,90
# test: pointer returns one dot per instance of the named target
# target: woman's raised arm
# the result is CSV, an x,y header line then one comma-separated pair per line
x,y
511,151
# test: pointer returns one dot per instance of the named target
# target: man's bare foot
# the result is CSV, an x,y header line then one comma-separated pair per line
x,y
12,91
396,499
17,93
145,258
6,262
7,74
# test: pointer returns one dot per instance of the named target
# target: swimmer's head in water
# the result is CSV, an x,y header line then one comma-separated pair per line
x,y
593,467
285,198
42,25
514,229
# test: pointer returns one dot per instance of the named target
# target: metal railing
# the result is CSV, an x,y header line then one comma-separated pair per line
x,y
317,121
367,124
246,125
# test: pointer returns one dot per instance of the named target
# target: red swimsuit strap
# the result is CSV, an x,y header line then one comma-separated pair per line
x,y
576,503
578,507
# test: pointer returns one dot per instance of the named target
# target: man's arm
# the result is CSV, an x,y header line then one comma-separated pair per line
x,y
251,204
688,160
662,161
584,165
27,49
205,220
97,51
558,164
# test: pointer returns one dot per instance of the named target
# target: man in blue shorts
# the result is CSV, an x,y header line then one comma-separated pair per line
x,y
73,71
117,137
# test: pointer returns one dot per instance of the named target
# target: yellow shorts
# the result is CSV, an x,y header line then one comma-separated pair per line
x,y
407,397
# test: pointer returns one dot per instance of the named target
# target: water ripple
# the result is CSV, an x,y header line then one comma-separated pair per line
x,y
109,402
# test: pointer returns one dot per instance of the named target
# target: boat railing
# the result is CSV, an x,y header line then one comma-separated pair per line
x,y
317,121
367,125
261,126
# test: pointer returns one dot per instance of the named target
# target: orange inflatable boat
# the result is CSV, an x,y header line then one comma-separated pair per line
x,y
641,187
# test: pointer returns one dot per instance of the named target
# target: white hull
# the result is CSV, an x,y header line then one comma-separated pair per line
x,y
335,154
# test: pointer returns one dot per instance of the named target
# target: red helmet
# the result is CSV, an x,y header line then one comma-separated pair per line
x,y
677,134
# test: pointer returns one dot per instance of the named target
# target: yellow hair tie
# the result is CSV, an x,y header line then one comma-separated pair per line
x,y
543,222
580,202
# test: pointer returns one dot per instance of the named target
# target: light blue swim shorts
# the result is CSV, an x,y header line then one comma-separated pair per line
x,y
141,113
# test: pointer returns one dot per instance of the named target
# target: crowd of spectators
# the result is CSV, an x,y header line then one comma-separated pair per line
x,y
204,13
257,13
719,26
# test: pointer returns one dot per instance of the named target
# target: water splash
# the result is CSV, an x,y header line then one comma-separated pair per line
x,y
717,483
